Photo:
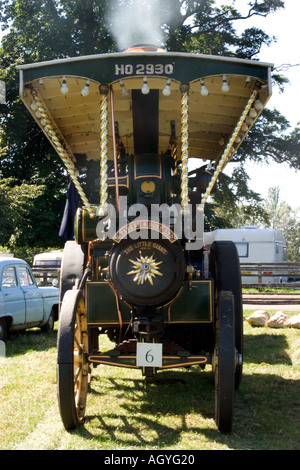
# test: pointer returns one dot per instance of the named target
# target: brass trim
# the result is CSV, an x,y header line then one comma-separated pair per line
x,y
111,363
106,360
124,185
147,175
118,310
120,322
146,225
144,269
199,360
194,321
107,323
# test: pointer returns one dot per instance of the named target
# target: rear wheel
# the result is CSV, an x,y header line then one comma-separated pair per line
x,y
224,362
72,365
225,270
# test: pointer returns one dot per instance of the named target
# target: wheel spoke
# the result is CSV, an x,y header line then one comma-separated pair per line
x,y
72,364
77,344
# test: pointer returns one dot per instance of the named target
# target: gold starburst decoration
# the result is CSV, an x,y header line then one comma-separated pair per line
x,y
145,269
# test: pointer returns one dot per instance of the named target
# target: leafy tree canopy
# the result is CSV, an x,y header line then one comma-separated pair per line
x,y
28,213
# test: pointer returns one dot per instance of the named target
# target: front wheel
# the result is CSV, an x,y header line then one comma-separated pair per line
x,y
72,365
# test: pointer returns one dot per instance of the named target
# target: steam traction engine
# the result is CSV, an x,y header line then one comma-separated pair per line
x,y
125,125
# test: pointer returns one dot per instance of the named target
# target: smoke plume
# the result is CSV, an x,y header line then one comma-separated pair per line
x,y
137,22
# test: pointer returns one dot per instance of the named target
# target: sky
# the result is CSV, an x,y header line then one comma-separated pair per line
x,y
283,24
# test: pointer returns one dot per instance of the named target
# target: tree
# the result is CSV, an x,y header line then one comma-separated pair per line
x,y
276,208
281,216
24,214
269,139
243,206
276,214
205,28
292,235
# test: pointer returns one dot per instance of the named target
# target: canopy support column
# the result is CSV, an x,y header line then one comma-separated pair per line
x,y
173,143
184,88
104,89
114,148
227,152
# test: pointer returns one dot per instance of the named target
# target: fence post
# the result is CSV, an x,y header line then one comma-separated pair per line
x,y
259,274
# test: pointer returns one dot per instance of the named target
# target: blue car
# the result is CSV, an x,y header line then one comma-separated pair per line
x,y
22,303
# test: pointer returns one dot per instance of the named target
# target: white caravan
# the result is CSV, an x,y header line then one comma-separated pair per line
x,y
254,245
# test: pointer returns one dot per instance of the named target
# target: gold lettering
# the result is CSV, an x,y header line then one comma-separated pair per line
x,y
160,248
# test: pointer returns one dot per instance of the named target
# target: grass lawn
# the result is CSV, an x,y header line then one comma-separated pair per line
x,y
175,413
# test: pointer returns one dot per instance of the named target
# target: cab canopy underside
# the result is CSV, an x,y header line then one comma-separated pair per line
x,y
156,103
212,117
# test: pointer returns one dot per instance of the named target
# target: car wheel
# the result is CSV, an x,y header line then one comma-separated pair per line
x,y
49,326
3,330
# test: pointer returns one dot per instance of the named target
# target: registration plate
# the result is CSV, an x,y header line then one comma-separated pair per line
x,y
149,355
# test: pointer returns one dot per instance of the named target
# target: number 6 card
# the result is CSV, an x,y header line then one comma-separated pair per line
x,y
149,355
